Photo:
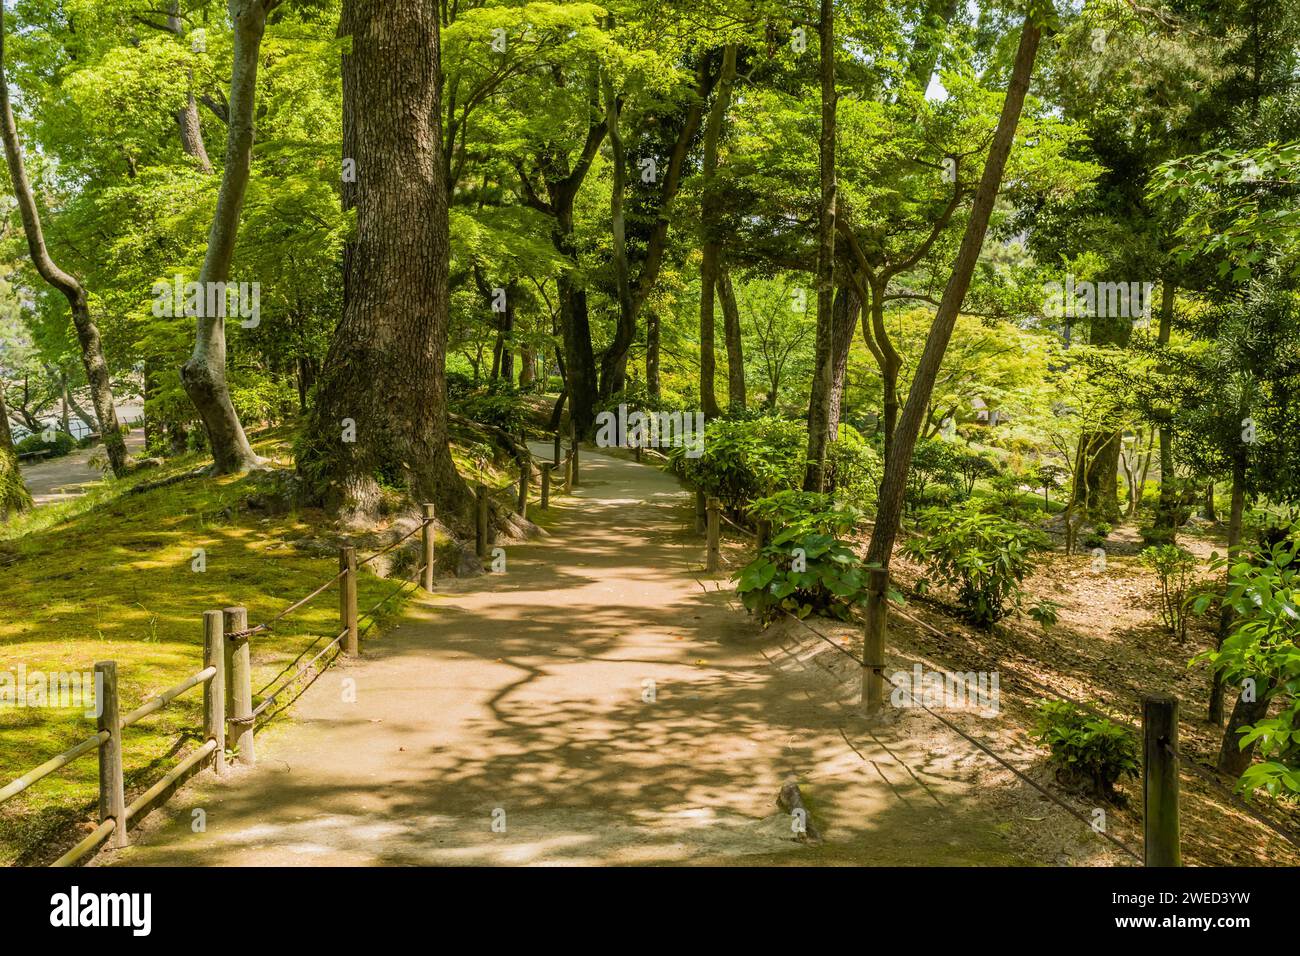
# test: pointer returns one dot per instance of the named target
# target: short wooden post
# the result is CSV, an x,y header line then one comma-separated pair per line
x,y
764,535
525,474
112,792
638,452
714,561
568,472
1160,780
426,542
481,520
700,511
546,487
348,600
873,642
557,447
214,691
573,450
239,684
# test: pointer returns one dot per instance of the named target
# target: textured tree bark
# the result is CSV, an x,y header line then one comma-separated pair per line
x,y
1236,514
652,353
385,370
711,249
204,375
732,336
92,349
845,321
1167,505
819,402
890,503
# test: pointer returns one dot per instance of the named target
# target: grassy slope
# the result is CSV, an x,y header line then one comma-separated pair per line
x,y
108,577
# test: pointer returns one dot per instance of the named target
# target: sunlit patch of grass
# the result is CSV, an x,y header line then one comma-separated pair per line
x,y
109,577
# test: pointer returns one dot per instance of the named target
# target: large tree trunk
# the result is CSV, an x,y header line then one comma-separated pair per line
x,y
732,335
386,363
819,401
890,505
711,251
845,323
204,375
92,349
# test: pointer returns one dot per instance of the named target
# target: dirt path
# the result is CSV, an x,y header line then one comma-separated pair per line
x,y
603,706
71,475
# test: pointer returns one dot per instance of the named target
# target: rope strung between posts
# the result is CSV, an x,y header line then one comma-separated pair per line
x,y
257,629
379,554
979,744
261,708
1200,771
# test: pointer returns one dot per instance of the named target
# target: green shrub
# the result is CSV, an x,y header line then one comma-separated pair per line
x,y
1175,566
983,556
853,467
934,462
499,407
1090,751
972,466
745,459
802,573
806,512
59,445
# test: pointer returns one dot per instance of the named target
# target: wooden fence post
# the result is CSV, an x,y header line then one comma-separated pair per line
x,y
700,511
481,520
214,691
239,684
568,472
546,487
348,600
873,642
638,452
112,793
426,541
525,475
714,535
1160,780
557,447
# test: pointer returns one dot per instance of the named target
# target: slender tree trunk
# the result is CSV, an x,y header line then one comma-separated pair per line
x,y
890,503
732,335
652,353
380,414
845,323
92,349
1236,514
1167,506
204,375
819,401
711,250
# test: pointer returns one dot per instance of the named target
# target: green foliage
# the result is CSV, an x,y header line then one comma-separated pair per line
x,y
499,406
1175,567
1086,750
1262,593
853,466
61,444
806,512
934,462
745,459
802,572
983,556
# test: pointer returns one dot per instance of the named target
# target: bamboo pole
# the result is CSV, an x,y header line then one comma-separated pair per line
x,y
214,691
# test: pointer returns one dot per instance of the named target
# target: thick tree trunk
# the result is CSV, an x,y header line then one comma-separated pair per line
x,y
731,334
819,401
890,504
385,371
1233,758
92,349
204,375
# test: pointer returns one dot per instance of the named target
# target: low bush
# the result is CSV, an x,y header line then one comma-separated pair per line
x,y
1175,567
60,444
983,556
1087,751
745,459
802,573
